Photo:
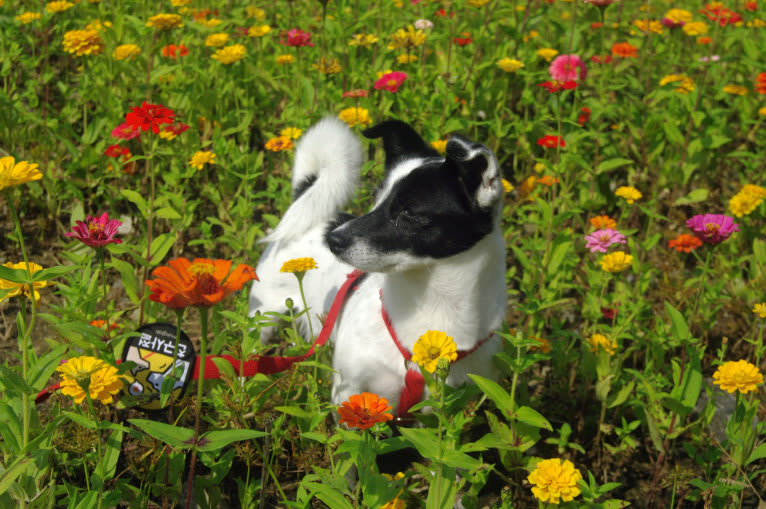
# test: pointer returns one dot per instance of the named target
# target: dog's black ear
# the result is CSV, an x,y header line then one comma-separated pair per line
x,y
478,169
400,141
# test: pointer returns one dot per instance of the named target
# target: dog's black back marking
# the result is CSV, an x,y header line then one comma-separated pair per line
x,y
400,141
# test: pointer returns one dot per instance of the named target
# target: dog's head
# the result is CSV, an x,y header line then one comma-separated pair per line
x,y
428,207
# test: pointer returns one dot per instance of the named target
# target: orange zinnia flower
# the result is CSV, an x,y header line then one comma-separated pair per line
x,y
603,222
202,282
624,49
364,410
685,243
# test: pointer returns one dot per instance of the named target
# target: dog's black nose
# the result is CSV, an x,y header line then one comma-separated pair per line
x,y
337,241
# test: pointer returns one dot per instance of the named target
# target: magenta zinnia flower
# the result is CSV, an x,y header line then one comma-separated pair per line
x,y
391,81
712,228
600,240
567,67
96,231
297,37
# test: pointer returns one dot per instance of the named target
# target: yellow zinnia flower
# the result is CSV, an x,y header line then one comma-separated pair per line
x,y
98,25
695,28
216,40
509,64
407,39
631,194
83,42
355,116
735,89
678,16
507,186
553,481
406,59
685,83
600,341
366,40
164,21
760,309
477,3
328,66
28,17
13,173
210,23
102,380
58,6
16,289
229,54
279,144
762,111
738,376
291,132
547,53
126,51
258,30
646,26
432,346
742,203
440,146
201,158
298,265
285,59
616,262
255,12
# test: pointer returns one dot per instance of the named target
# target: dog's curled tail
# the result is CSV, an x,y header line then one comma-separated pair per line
x,y
326,170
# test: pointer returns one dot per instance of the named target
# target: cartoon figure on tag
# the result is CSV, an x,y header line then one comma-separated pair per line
x,y
152,352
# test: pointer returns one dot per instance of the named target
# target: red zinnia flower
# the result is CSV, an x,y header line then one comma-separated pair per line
x,y
116,151
751,6
96,231
584,115
364,410
358,92
173,51
441,13
176,128
297,37
760,83
149,116
598,59
125,132
609,313
464,40
391,81
684,243
199,283
558,86
624,49
550,141
596,25
724,16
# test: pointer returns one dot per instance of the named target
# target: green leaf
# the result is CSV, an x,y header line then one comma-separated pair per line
x,y
329,495
315,436
757,454
532,417
129,280
694,196
423,440
622,395
167,213
53,272
497,394
81,419
611,164
45,366
558,255
136,199
160,247
18,276
108,463
459,459
679,329
16,469
174,436
10,427
13,381
215,440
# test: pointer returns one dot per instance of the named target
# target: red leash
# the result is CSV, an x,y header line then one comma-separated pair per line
x,y
263,363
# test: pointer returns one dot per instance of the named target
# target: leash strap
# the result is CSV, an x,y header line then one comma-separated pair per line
x,y
263,363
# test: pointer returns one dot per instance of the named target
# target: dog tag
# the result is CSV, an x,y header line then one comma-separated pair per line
x,y
152,352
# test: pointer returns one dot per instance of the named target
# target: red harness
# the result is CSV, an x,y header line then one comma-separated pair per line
x,y
412,392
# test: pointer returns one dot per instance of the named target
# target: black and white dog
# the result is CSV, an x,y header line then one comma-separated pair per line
x,y
432,246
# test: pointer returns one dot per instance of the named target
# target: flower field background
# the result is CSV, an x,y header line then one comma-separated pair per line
x,y
145,148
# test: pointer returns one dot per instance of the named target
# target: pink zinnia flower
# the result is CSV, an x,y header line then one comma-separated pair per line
x,y
567,67
391,81
116,151
125,132
297,37
600,240
712,228
96,231
600,3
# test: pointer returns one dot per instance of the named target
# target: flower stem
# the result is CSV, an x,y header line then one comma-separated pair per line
x,y
203,313
101,257
306,307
